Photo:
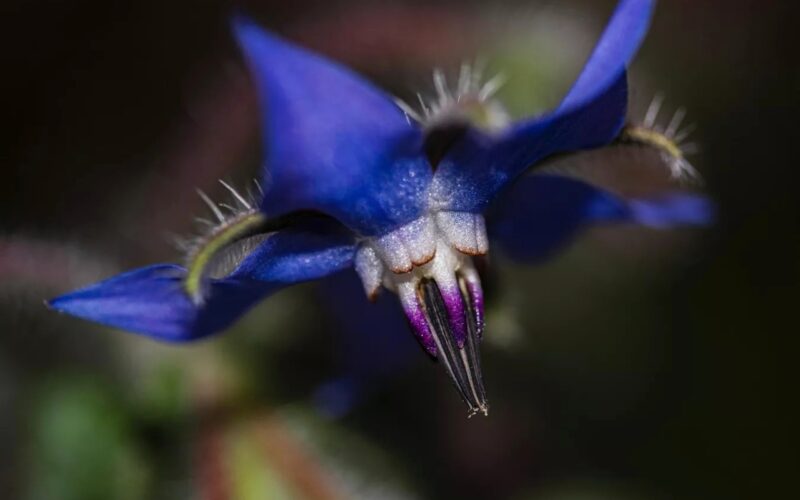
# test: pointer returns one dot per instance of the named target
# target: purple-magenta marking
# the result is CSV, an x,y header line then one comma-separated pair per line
x,y
419,324
476,296
454,303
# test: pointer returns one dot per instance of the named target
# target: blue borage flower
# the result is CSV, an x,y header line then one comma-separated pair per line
x,y
353,179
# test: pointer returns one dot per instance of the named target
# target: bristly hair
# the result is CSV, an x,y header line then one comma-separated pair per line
x,y
669,140
455,103
213,253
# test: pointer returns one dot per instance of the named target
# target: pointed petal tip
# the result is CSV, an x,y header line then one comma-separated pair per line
x,y
258,43
248,30
57,304
62,304
590,115
241,22
617,46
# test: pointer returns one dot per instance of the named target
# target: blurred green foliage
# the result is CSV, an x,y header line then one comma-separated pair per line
x,y
83,445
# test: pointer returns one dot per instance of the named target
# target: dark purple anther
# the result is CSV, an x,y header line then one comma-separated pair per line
x,y
456,312
456,341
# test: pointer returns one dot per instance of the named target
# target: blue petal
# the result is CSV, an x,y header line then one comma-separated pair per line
x,y
591,115
672,210
617,46
152,300
543,213
375,343
333,142
309,251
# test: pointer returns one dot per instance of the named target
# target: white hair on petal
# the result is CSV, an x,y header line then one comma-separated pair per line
x,y
669,140
241,206
236,194
454,103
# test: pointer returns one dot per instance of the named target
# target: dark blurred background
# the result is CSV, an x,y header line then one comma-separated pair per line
x,y
634,365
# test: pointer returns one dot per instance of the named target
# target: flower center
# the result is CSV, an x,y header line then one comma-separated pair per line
x,y
428,263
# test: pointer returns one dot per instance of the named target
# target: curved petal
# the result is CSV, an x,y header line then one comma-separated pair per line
x,y
152,300
543,213
591,115
314,249
618,44
332,141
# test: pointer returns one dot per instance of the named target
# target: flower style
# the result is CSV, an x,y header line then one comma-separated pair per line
x,y
356,179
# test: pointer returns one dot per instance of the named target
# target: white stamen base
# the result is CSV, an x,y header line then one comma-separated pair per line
x,y
434,246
